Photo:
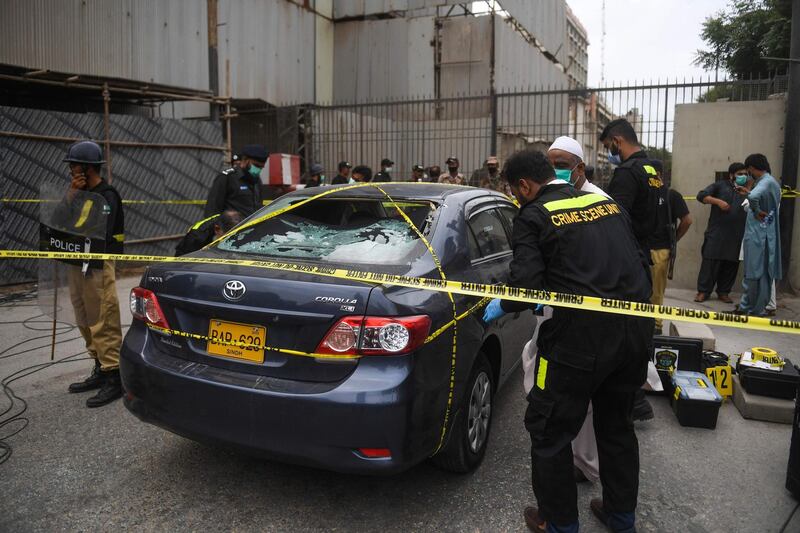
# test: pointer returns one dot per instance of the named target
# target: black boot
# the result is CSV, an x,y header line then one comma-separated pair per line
x,y
642,410
94,381
110,391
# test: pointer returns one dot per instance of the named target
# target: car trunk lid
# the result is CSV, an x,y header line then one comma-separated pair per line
x,y
287,310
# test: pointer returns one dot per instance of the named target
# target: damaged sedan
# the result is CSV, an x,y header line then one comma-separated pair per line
x,y
327,371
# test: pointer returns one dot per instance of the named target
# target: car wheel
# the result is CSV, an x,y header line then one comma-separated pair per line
x,y
469,434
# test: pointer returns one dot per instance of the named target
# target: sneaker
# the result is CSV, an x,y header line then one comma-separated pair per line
x,y
110,391
642,410
94,381
533,520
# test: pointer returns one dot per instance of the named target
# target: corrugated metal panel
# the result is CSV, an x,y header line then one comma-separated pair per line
x,y
382,59
362,8
545,19
513,74
147,40
466,54
358,8
421,57
271,48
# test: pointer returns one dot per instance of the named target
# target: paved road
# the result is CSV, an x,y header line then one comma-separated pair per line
x,y
97,470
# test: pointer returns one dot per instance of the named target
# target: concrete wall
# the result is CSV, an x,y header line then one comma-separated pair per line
x,y
708,138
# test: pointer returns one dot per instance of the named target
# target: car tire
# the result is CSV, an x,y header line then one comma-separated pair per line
x,y
469,433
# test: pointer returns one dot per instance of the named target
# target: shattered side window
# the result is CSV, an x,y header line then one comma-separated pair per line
x,y
357,231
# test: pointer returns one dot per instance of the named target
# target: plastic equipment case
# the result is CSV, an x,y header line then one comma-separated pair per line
x,y
793,470
770,383
681,353
695,400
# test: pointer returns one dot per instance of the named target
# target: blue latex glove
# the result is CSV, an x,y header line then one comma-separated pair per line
x,y
493,311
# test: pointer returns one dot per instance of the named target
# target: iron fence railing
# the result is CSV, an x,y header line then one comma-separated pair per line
x,y
428,131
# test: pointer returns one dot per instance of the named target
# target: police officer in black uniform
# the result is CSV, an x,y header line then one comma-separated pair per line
x,y
344,173
635,184
205,231
570,241
239,187
386,168
637,187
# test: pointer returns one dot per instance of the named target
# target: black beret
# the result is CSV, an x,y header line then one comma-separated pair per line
x,y
255,151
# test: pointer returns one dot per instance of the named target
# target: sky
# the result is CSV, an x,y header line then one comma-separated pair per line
x,y
645,39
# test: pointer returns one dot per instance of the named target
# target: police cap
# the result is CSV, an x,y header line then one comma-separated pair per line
x,y
255,151
85,152
452,159
316,168
386,162
344,164
416,168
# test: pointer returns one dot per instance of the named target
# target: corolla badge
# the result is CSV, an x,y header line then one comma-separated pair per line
x,y
234,290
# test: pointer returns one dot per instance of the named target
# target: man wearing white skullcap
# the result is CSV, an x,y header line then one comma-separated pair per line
x,y
566,156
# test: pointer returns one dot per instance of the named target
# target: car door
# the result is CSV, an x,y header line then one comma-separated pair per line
x,y
490,255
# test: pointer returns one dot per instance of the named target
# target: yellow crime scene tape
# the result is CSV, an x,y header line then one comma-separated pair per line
x,y
126,202
482,291
531,296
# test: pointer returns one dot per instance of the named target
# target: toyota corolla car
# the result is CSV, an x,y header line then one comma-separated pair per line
x,y
356,377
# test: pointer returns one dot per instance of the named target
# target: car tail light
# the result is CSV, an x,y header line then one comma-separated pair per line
x,y
375,453
144,306
375,335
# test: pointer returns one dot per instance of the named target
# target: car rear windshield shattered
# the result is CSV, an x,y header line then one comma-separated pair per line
x,y
339,231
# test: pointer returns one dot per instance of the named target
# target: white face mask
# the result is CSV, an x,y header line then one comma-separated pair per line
x,y
389,169
351,180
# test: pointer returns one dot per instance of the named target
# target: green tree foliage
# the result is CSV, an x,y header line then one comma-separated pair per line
x,y
739,37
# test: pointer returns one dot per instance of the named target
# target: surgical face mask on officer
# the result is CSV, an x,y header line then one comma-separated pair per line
x,y
613,154
389,169
254,171
741,180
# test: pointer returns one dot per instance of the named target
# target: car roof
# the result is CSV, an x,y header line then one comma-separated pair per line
x,y
406,191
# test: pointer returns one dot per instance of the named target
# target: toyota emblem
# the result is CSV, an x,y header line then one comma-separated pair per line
x,y
234,290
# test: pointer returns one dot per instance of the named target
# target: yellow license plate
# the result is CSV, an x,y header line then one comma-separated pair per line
x,y
231,332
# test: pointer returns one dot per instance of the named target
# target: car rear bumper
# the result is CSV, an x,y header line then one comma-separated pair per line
x,y
315,424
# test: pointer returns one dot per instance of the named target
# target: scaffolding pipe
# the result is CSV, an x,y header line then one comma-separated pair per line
x,y
159,238
136,144
144,91
228,141
107,131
